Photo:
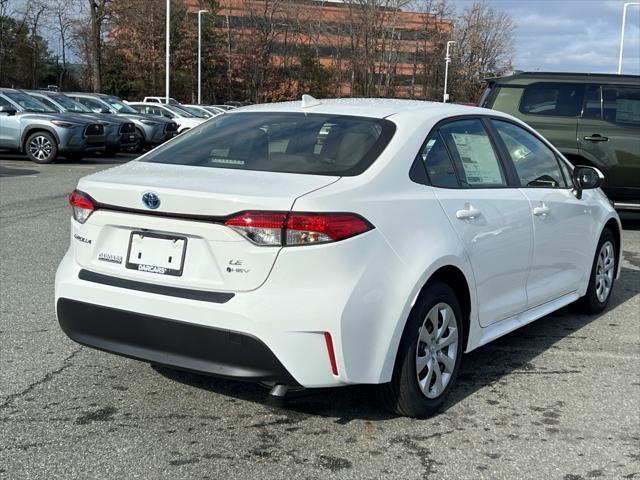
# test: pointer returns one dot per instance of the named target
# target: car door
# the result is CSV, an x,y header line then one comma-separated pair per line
x,y
9,126
490,217
562,224
609,136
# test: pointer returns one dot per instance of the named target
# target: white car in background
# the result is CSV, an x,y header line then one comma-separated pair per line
x,y
185,119
335,242
172,101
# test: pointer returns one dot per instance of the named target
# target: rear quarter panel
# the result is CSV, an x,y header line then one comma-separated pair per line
x,y
418,240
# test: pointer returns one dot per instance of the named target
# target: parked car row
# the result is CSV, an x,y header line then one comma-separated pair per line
x,y
45,124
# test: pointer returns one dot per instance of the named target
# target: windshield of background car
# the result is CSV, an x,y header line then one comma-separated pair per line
x,y
119,106
68,104
27,102
199,113
179,111
318,144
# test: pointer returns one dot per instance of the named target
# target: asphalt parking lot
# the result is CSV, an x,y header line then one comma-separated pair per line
x,y
558,399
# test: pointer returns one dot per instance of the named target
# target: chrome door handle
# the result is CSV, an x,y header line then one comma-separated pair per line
x,y
596,138
541,210
468,212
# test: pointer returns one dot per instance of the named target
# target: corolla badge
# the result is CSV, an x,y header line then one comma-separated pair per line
x,y
151,200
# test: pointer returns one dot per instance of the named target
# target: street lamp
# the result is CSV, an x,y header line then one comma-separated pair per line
x,y
447,59
200,12
166,67
624,17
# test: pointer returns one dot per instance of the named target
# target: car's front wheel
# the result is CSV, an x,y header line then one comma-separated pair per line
x,y
429,355
603,273
41,147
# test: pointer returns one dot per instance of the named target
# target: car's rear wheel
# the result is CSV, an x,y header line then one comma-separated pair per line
x,y
41,147
429,355
603,272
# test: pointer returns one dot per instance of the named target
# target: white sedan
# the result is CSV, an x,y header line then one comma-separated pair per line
x,y
335,242
185,119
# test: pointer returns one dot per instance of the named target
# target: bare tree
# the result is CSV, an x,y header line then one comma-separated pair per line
x,y
62,17
484,47
33,14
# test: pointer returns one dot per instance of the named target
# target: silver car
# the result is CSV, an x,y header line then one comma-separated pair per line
x,y
153,130
120,133
29,126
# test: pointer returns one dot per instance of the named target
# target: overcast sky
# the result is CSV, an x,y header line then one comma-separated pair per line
x,y
571,35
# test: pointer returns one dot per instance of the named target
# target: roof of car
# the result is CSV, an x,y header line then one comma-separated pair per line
x,y
90,94
152,104
365,107
573,76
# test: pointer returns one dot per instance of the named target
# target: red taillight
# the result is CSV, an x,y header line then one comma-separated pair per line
x,y
261,228
277,228
330,351
82,205
307,228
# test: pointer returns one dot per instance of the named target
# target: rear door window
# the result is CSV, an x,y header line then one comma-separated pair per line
x,y
621,105
319,144
475,159
552,99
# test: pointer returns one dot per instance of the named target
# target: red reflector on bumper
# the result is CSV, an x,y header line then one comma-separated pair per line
x,y
332,354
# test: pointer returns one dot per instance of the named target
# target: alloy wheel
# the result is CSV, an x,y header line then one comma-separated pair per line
x,y
605,271
436,350
40,147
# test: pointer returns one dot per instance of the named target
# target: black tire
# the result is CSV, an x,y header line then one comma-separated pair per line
x,y
403,394
41,147
591,303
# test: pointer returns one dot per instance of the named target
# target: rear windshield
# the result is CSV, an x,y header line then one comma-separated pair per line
x,y
281,142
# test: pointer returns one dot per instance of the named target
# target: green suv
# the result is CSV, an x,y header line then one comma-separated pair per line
x,y
593,119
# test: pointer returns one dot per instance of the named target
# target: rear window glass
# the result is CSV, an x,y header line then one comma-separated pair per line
x,y
552,99
281,142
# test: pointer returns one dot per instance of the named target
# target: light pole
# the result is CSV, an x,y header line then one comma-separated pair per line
x,y
447,59
624,18
200,12
166,67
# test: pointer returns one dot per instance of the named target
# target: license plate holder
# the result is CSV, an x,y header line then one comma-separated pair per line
x,y
156,253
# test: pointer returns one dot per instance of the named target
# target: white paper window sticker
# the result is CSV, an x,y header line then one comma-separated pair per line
x,y
627,110
478,159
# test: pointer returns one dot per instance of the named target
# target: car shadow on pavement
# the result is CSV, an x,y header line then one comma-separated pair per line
x,y
630,220
513,354
16,172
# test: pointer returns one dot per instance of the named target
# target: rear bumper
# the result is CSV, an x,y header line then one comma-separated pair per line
x,y
159,340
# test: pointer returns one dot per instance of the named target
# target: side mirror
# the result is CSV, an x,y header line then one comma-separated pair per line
x,y
585,178
7,110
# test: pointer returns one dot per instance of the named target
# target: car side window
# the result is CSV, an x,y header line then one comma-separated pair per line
x,y
474,157
536,164
552,99
621,105
438,164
